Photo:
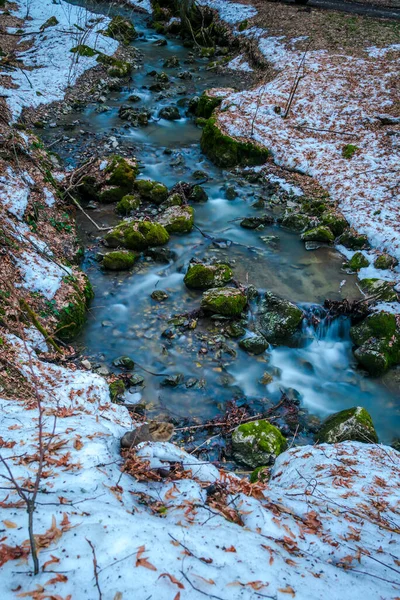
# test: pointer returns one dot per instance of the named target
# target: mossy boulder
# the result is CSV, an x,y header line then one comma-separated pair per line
x,y
119,260
313,206
353,424
380,289
385,261
159,193
321,233
154,191
278,319
116,68
83,50
336,222
109,179
229,302
207,104
137,235
358,261
198,194
257,444
121,29
256,344
124,362
127,205
378,342
173,200
296,221
71,317
226,151
352,240
177,219
202,277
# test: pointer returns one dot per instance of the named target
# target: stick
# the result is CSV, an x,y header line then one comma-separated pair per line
x,y
95,568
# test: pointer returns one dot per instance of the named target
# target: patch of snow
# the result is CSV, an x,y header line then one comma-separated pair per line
x,y
39,274
58,176
48,197
52,65
144,4
35,339
295,190
375,52
14,193
239,64
231,12
390,307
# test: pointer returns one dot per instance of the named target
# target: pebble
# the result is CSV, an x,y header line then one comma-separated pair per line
x,y
86,364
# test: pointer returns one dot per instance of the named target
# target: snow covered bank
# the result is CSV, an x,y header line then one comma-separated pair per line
x,y
325,527
231,12
49,66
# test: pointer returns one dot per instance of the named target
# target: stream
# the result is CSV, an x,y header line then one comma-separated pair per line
x,y
320,370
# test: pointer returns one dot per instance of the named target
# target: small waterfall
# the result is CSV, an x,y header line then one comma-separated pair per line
x,y
318,324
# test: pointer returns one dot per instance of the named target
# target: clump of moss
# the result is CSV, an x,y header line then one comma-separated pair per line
x,y
352,240
380,289
121,29
177,219
137,235
51,22
278,319
257,443
117,390
358,261
127,205
385,261
225,151
229,302
116,68
201,277
353,424
378,342
318,234
83,50
207,104
349,150
119,260
336,223
72,316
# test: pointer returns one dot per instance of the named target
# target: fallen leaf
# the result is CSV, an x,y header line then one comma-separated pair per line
x,y
59,578
173,580
52,561
230,549
143,562
287,590
10,524
11,553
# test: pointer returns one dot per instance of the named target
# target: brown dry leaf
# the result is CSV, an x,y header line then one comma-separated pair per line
x,y
287,590
209,581
51,536
143,562
230,549
59,578
11,553
171,493
173,580
36,594
52,561
178,596
10,524
78,444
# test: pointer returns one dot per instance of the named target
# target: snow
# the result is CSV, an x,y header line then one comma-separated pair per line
x,y
375,52
14,193
48,197
239,64
323,529
143,4
39,274
295,190
51,67
231,12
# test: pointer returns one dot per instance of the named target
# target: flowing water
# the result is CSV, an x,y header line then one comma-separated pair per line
x,y
124,320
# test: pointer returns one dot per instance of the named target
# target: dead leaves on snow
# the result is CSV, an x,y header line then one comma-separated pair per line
x,y
142,561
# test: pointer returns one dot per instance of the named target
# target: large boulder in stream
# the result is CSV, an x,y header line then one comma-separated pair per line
x,y
202,277
177,219
228,302
378,342
278,319
353,424
109,179
119,260
137,235
257,443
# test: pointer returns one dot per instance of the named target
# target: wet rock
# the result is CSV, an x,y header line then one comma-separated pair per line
x,y
296,221
173,200
353,241
200,276
378,341
234,330
121,29
137,235
124,362
230,192
353,424
185,75
119,260
136,379
109,179
278,319
254,222
358,261
207,103
191,382
318,234
160,42
172,380
168,333
312,246
228,302
127,205
177,219
171,62
256,344
266,379
198,194
182,188
385,261
134,98
137,117
257,444
380,289
148,432
159,295
162,255
170,113
200,175
151,190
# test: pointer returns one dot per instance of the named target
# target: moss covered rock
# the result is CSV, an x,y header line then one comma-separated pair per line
x,y
256,344
380,289
257,444
173,200
318,234
121,29
353,424
225,151
202,277
352,240
177,219
119,260
71,317
358,261
198,194
260,474
296,221
229,302
124,362
151,190
117,390
207,104
278,319
385,261
378,342
170,113
336,222
110,179
137,235
127,205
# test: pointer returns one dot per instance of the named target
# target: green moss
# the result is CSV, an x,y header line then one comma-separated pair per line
x,y
358,261
119,260
336,223
111,194
206,105
121,29
349,150
83,50
51,22
159,193
228,152
352,240
229,302
178,219
137,235
314,207
173,200
243,25
268,437
385,261
127,205
318,234
198,194
202,277
351,424
380,289
121,172
295,221
378,341
72,316
144,187
117,389
259,474
278,319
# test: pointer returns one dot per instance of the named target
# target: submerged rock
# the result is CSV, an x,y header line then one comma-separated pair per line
x,y
254,222
137,235
177,219
198,194
201,277
353,424
229,302
256,344
230,192
278,319
159,295
378,341
257,444
119,260
124,362
170,113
